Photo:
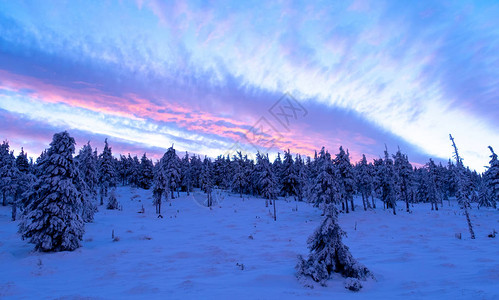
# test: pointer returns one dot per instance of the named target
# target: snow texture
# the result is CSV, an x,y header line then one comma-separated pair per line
x,y
194,252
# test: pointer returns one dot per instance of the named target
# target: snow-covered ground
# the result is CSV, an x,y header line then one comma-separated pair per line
x,y
237,251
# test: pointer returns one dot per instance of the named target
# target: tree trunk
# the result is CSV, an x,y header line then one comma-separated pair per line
x,y
173,196
159,203
394,211
364,201
470,227
4,202
346,205
102,195
275,215
14,211
406,196
374,203
351,202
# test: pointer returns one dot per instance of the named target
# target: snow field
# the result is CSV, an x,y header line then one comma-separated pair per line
x,y
236,250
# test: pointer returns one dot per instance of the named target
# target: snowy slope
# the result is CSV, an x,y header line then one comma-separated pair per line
x,y
195,252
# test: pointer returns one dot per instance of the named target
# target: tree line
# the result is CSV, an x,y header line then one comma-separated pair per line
x,y
89,178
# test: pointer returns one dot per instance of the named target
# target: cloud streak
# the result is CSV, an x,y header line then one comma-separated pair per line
x,y
371,73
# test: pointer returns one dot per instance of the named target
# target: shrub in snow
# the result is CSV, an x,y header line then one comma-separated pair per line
x,y
353,284
52,218
328,254
112,202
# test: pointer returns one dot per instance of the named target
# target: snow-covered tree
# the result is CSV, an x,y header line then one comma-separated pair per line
x,y
52,219
160,185
345,176
277,170
387,183
135,171
186,171
464,190
23,183
302,177
289,176
207,180
431,183
267,179
221,172
403,173
7,172
171,166
145,175
239,178
491,178
325,189
87,165
364,181
107,172
328,254
196,168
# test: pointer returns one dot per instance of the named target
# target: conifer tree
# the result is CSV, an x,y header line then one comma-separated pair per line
x,y
328,254
403,172
302,178
7,172
268,182
387,183
364,181
491,178
207,180
325,188
186,171
135,172
160,185
145,174
87,164
277,170
289,176
171,165
463,187
431,183
107,171
196,167
23,183
239,180
344,172
52,219
267,179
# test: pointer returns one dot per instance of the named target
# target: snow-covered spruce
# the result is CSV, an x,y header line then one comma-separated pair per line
x,y
87,181
52,218
107,171
328,254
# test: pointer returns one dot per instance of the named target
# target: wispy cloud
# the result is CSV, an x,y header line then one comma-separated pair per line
x,y
406,73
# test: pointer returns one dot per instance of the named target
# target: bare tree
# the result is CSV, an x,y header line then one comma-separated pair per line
x,y
463,194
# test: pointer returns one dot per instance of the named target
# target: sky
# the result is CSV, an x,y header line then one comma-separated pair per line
x,y
218,77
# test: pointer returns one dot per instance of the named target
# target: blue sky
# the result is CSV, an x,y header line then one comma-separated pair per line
x,y
201,75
